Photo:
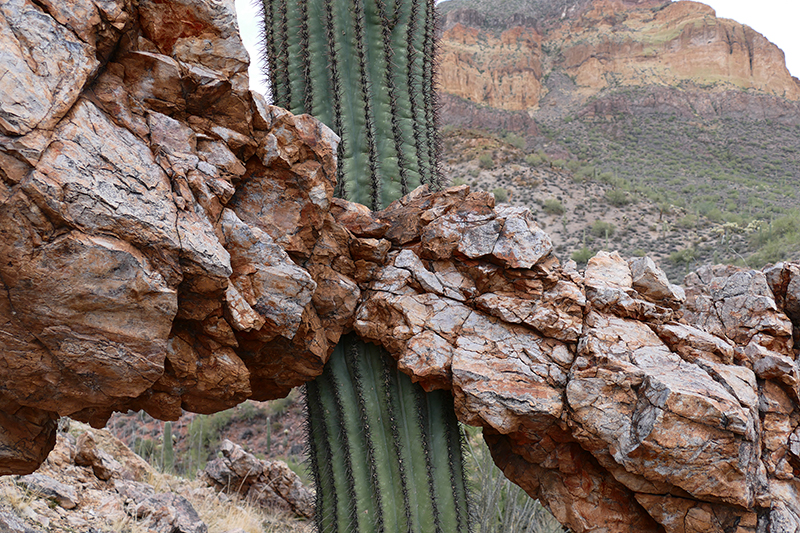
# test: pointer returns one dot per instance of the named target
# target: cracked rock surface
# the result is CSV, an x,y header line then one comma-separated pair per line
x,y
170,242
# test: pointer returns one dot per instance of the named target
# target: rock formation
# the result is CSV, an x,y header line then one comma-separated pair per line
x,y
600,46
270,484
92,482
170,241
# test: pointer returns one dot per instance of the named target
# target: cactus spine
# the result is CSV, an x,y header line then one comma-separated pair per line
x,y
386,455
365,69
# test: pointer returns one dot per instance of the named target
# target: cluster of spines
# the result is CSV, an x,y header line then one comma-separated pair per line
x,y
363,67
388,466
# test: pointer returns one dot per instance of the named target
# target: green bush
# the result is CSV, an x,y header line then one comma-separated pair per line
x,y
486,161
600,228
582,256
606,177
683,257
551,206
688,222
586,171
517,141
534,160
500,195
617,198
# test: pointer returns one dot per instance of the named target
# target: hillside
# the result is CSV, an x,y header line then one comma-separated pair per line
x,y
666,103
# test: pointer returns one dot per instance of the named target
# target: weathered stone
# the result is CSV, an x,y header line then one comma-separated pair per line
x,y
273,286
521,243
163,512
65,495
266,483
46,68
26,437
651,282
170,242
103,464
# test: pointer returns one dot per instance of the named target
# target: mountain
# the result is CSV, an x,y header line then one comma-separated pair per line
x,y
675,106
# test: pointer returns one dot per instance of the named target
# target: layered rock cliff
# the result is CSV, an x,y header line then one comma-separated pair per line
x,y
171,242
502,59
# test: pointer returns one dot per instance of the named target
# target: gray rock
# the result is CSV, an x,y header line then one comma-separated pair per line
x,y
65,495
10,523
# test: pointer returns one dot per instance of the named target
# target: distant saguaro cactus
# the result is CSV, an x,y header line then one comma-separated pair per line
x,y
386,455
167,450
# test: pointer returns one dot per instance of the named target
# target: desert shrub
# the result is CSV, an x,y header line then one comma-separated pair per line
x,y
517,141
683,257
586,171
601,228
551,206
558,163
606,177
688,222
582,256
617,198
534,160
500,195
486,161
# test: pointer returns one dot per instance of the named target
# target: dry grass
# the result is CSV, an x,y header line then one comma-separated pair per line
x,y
14,495
129,524
223,513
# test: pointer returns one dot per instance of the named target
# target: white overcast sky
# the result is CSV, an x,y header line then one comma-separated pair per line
x,y
778,20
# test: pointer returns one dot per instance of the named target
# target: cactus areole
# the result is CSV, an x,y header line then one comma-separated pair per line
x,y
386,455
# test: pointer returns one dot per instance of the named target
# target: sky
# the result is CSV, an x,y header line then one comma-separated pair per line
x,y
777,20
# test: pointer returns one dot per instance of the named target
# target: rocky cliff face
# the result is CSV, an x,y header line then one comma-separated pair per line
x,y
601,46
171,242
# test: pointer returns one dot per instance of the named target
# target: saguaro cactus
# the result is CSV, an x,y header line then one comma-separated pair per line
x,y
364,68
386,455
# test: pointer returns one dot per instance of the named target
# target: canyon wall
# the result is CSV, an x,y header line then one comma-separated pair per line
x,y
601,46
169,242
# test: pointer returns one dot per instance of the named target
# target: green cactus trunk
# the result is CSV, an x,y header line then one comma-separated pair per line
x,y
386,455
167,451
364,68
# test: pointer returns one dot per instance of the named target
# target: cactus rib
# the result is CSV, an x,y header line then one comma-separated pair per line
x,y
383,438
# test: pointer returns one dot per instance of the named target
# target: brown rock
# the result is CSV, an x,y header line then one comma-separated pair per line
x,y
103,464
269,484
46,67
26,437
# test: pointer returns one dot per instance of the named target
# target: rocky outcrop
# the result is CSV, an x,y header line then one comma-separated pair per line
x,y
269,484
69,493
170,242
138,269
604,45
622,401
